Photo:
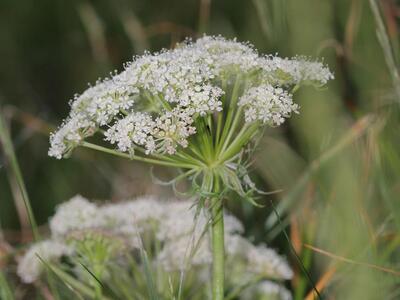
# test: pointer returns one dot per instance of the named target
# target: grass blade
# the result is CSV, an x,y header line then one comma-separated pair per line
x,y
10,156
384,40
149,277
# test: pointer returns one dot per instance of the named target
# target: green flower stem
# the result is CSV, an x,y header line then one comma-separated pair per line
x,y
139,158
242,138
180,157
231,108
220,116
203,139
189,158
194,149
232,129
218,248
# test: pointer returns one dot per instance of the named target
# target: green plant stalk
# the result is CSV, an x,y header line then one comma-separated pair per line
x,y
220,117
9,153
218,247
229,115
246,133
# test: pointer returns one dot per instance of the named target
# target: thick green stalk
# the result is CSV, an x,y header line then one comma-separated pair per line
x,y
218,248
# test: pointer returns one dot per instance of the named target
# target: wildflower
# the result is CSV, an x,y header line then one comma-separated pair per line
x,y
196,108
100,236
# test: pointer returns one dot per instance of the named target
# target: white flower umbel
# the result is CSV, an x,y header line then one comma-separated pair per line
x,y
195,107
179,232
135,129
267,104
178,86
31,265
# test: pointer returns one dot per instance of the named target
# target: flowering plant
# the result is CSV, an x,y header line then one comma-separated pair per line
x,y
198,108
98,246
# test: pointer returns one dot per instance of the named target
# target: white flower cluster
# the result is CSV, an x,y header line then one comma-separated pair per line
x,y
267,104
153,103
267,290
71,133
30,267
136,128
182,233
76,214
126,219
295,71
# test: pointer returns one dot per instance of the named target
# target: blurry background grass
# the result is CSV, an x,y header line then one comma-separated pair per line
x,y
337,164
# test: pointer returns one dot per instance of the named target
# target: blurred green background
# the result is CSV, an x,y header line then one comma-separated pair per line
x,y
336,165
